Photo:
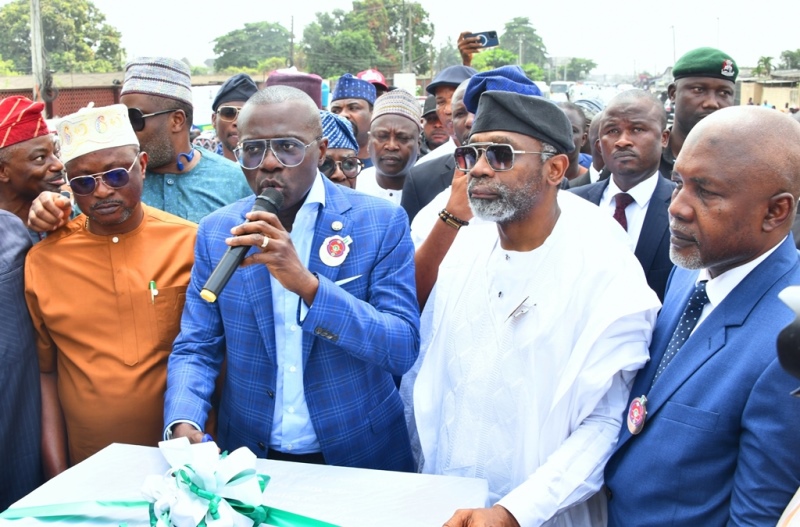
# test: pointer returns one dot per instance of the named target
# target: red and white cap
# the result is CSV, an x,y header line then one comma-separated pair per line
x,y
374,77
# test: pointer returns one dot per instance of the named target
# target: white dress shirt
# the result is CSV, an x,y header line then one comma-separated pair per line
x,y
636,211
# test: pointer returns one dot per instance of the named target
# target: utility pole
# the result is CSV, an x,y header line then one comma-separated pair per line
x,y
410,62
673,46
37,50
404,41
519,57
291,45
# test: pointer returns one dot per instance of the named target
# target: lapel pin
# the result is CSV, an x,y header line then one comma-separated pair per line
x,y
334,250
337,226
637,413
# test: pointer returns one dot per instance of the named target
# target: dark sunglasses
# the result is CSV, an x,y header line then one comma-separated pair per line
x,y
351,166
137,117
228,113
114,178
499,156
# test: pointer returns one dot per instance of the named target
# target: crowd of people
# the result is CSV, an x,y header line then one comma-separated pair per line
x,y
574,301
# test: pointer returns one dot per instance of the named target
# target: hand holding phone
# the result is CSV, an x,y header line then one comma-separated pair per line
x,y
486,39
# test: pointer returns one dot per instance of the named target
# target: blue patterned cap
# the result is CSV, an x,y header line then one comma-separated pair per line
x,y
159,76
338,130
508,78
349,87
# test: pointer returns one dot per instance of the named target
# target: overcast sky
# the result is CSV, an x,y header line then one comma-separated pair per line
x,y
619,35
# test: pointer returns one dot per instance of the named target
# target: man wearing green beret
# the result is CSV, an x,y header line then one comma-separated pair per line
x,y
704,82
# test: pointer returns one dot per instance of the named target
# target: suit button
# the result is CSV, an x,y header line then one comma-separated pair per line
x,y
262,446
271,394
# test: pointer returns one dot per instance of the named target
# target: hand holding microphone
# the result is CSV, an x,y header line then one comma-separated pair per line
x,y
268,201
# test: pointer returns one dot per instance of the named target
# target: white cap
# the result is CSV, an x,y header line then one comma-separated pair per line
x,y
92,129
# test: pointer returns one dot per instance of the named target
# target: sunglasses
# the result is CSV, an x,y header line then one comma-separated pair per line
x,y
114,178
137,117
499,156
289,151
228,113
351,166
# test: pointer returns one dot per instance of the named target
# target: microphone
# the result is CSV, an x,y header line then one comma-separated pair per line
x,y
268,201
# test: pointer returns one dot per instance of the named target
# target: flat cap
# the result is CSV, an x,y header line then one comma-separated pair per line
x,y
450,76
240,87
507,78
430,106
706,62
524,114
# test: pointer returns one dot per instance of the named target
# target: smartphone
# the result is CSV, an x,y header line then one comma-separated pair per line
x,y
487,38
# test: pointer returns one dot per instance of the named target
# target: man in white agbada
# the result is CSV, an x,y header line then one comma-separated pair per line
x,y
538,322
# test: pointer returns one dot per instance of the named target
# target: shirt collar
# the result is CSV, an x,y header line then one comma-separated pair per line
x,y
641,193
316,196
720,287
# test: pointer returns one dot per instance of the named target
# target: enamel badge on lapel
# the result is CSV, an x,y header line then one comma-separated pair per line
x,y
637,413
334,250
337,226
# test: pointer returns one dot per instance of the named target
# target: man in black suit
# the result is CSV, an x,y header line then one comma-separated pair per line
x,y
632,135
429,179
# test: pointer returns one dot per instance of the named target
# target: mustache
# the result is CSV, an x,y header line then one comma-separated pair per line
x,y
106,202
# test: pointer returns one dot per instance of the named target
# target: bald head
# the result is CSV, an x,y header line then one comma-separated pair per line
x,y
737,195
308,114
641,99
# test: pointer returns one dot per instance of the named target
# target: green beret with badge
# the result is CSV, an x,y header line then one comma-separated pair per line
x,y
706,62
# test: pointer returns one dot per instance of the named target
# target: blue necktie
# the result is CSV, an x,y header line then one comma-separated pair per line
x,y
689,318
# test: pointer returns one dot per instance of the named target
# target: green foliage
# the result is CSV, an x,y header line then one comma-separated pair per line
x,y
271,64
519,29
7,68
245,48
199,70
76,37
493,58
447,56
533,71
578,68
790,60
763,67
370,36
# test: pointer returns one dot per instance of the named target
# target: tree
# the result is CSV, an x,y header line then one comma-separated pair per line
x,y
519,29
790,60
245,48
533,71
763,67
447,56
76,37
7,68
373,34
578,69
490,59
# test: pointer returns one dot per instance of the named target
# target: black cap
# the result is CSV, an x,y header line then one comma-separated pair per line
x,y
524,114
430,106
451,76
240,87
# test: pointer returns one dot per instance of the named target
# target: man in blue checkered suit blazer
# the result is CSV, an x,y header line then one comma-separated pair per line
x,y
361,327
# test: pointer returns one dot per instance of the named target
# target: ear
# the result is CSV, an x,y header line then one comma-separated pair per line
x,y
554,169
780,210
177,120
143,163
665,138
323,149
3,174
584,138
671,89
214,119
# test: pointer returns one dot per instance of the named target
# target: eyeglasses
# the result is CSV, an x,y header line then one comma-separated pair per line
x,y
289,151
499,156
114,178
228,113
137,117
351,166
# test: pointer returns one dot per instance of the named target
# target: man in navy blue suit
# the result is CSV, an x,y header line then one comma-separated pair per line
x,y
632,134
711,438
316,323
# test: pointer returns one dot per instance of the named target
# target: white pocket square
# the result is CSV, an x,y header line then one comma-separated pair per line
x,y
348,280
